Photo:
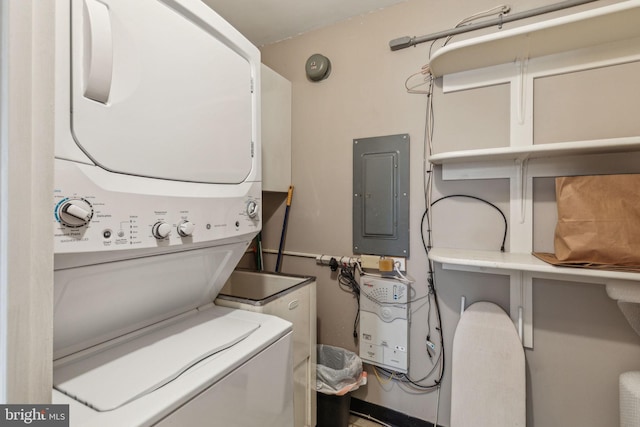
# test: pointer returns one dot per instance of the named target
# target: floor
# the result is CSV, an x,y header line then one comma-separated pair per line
x,y
355,421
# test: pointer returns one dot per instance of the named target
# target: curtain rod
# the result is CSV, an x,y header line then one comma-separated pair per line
x,y
406,41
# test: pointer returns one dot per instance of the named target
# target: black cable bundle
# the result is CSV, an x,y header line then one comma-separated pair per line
x,y
348,282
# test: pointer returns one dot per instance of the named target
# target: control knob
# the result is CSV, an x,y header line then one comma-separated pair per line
x,y
185,228
160,230
75,212
252,209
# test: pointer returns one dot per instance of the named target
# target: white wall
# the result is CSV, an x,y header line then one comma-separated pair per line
x,y
581,340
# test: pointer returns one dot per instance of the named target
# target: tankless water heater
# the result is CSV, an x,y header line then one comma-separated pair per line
x,y
384,323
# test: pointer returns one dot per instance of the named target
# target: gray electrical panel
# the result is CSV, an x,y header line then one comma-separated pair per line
x,y
381,195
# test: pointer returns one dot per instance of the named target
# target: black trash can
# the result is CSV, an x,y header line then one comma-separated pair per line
x,y
333,411
338,372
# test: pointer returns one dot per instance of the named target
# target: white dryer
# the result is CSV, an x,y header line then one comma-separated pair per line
x,y
157,196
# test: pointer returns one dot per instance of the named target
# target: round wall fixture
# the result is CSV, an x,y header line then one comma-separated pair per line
x,y
318,67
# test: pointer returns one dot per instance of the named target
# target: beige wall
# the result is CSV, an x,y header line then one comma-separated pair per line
x,y
582,341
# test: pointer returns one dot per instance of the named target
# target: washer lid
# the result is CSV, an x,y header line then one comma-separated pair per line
x,y
134,368
162,89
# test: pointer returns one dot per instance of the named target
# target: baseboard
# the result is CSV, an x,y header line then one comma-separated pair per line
x,y
388,416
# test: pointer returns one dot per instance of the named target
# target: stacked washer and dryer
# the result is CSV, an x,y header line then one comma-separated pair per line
x,y
157,196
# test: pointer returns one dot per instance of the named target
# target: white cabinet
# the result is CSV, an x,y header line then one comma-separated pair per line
x,y
292,298
603,37
276,130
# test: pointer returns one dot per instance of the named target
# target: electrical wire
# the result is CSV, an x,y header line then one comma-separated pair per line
x,y
431,288
403,278
348,282
425,71
397,275
497,10
406,379
386,381
428,171
504,237
431,292
437,405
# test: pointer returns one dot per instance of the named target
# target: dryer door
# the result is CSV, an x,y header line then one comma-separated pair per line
x,y
160,89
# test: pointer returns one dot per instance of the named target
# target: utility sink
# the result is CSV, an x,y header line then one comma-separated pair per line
x,y
259,288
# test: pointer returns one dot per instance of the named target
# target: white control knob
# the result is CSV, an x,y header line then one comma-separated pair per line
x,y
161,230
252,209
185,228
75,212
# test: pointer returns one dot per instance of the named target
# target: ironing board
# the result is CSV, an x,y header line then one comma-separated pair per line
x,y
488,370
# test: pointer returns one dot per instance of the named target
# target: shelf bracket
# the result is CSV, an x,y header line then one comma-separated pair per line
x,y
520,298
521,84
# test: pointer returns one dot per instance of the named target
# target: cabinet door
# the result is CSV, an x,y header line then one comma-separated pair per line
x,y
276,131
301,394
162,89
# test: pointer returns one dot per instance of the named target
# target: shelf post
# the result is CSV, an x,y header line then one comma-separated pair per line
x,y
521,305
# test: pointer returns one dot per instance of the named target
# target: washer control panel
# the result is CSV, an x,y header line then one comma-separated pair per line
x,y
138,213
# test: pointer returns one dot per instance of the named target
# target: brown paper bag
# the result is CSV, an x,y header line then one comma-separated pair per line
x,y
598,222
